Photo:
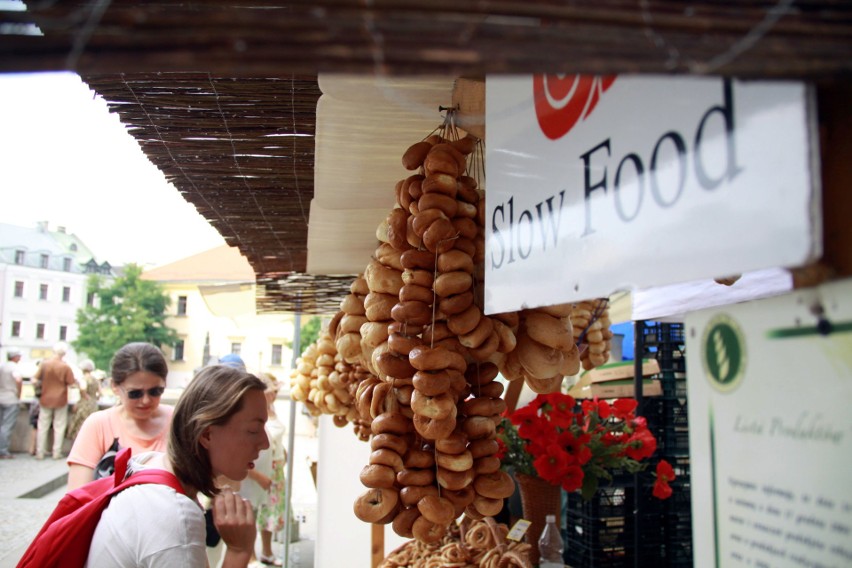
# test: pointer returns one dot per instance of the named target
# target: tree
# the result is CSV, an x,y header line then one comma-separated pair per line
x,y
129,309
310,332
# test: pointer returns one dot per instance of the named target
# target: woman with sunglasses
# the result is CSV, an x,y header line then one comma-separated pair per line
x,y
138,420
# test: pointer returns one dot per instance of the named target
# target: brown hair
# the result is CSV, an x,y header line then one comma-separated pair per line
x,y
212,397
135,358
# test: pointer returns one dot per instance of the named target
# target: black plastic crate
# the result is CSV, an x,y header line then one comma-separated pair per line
x,y
657,333
578,555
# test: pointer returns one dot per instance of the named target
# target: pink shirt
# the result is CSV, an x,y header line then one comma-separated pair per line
x,y
99,430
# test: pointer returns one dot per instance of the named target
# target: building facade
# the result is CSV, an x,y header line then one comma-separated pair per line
x,y
43,277
213,311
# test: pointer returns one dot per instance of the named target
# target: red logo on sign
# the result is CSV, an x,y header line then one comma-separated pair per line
x,y
562,100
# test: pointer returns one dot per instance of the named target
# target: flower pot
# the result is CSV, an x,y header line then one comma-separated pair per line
x,y
538,499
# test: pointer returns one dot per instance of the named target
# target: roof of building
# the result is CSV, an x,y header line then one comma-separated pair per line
x,y
221,264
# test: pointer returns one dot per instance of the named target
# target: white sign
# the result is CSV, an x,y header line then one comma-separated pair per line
x,y
597,185
770,430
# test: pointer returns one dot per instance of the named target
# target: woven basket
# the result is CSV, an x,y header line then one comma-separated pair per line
x,y
539,499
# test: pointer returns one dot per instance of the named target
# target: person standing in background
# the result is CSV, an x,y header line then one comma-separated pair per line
x,y
55,376
89,395
264,485
10,397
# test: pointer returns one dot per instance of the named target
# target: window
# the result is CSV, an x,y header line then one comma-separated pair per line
x,y
276,355
178,348
44,259
39,331
42,292
19,289
236,348
63,332
181,306
90,299
19,257
73,247
66,264
16,329
66,293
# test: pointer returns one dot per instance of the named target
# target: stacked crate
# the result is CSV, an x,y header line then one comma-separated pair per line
x,y
624,525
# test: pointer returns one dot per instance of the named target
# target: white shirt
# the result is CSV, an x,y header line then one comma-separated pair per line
x,y
9,377
149,525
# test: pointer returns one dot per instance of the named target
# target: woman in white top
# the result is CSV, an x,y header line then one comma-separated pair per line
x,y
217,429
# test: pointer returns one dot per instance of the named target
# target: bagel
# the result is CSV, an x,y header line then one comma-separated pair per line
x,y
413,292
435,407
351,323
422,221
511,319
486,349
544,385
389,441
397,228
378,306
403,523
494,389
383,279
455,304
375,504
394,365
548,330
511,368
413,258
484,447
479,334
425,358
404,328
359,286
497,485
471,512
454,480
409,477
538,360
437,509
482,406
432,383
440,236
373,333
447,147
460,497
377,404
440,183
468,210
486,464
415,155
478,427
419,277
440,201
455,443
402,344
439,160
411,494
435,429
352,304
486,506
481,373
388,458
467,190
377,476
467,246
557,310
465,146
465,322
428,532
436,332
454,260
466,227
391,423
507,339
418,459
416,313
402,392
454,462
450,283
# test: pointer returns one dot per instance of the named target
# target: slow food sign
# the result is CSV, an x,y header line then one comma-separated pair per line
x,y
596,184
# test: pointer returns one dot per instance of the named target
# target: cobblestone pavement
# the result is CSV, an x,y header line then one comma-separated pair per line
x,y
29,490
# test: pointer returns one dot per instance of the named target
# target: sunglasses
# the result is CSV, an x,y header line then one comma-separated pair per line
x,y
136,394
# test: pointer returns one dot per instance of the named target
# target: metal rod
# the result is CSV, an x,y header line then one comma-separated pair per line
x,y
291,442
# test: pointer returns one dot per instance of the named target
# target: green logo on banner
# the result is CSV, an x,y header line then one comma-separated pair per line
x,y
724,353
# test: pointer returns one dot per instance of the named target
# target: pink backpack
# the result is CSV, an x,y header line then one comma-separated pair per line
x,y
66,536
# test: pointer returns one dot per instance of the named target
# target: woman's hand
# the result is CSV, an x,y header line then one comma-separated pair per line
x,y
235,521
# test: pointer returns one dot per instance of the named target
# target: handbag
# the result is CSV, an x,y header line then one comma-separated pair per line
x,y
106,465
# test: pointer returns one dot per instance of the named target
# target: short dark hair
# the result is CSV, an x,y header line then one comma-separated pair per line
x,y
137,357
211,398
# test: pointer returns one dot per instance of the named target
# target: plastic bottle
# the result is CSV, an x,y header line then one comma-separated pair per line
x,y
550,545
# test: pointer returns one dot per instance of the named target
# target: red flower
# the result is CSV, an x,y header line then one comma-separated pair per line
x,y
577,446
572,479
641,444
623,408
552,464
665,473
501,449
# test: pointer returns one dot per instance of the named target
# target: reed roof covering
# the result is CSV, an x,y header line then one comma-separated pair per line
x,y
221,96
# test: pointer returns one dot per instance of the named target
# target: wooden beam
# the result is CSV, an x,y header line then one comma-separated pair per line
x,y
469,99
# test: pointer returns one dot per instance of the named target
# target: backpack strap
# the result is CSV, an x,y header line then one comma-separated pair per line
x,y
144,476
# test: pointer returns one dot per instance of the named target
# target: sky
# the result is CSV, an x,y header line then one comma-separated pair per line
x,y
65,159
